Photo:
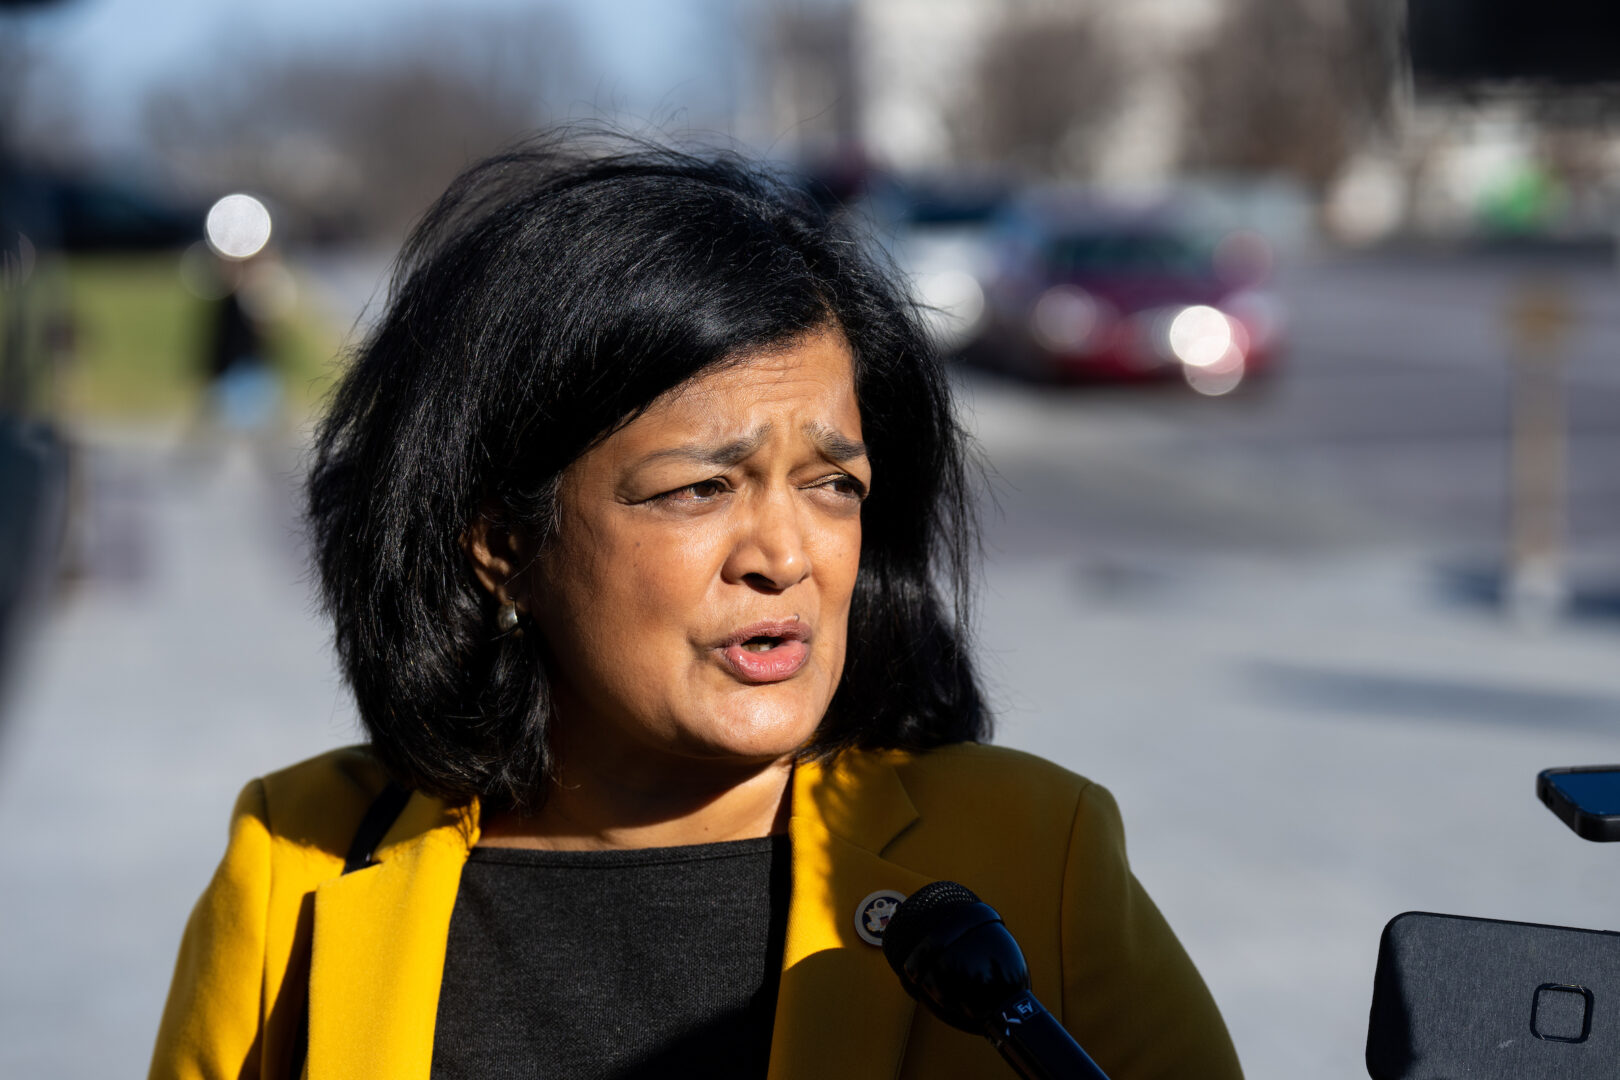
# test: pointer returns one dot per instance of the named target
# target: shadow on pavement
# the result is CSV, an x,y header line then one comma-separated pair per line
x,y
1416,697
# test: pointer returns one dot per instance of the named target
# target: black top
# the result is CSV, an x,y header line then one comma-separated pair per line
x,y
659,962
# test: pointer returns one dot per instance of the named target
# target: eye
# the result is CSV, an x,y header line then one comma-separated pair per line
x,y
845,485
702,491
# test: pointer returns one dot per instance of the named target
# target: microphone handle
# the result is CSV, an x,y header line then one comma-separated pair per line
x,y
1037,1046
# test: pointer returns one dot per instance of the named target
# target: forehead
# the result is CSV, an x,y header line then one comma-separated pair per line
x,y
809,381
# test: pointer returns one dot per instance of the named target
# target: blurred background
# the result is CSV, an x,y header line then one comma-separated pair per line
x,y
1297,377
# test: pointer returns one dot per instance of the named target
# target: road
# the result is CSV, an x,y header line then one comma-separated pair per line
x,y
1241,614
1392,411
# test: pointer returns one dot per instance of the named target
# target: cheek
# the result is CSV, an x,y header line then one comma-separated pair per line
x,y
667,574
625,580
839,562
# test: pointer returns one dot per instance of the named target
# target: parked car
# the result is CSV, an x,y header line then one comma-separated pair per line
x,y
79,211
940,241
1081,291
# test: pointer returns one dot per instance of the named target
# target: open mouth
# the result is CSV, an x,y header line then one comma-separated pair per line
x,y
765,654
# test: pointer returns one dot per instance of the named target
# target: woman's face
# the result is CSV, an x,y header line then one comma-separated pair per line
x,y
695,601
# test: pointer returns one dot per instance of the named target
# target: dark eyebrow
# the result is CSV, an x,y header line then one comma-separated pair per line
x,y
724,456
834,443
831,442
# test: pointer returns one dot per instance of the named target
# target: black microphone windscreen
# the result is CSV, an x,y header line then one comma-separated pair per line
x,y
910,922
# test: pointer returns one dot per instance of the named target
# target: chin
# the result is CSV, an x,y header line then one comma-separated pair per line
x,y
760,734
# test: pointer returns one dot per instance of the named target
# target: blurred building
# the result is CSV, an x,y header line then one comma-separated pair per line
x,y
1500,167
1308,95
913,69
920,58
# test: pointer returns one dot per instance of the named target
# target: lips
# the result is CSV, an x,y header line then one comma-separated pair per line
x,y
766,652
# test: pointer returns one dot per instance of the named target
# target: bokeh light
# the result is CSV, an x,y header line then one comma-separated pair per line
x,y
953,305
238,226
1219,378
200,275
1065,318
1200,336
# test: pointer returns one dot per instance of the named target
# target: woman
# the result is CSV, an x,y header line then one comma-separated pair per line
x,y
630,516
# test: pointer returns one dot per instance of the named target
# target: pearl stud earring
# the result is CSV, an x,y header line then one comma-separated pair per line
x,y
506,617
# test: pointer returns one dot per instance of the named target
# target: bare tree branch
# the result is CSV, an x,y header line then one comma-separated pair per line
x,y
354,145
1044,86
1290,87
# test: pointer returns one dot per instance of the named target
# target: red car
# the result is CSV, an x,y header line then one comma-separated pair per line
x,y
1079,294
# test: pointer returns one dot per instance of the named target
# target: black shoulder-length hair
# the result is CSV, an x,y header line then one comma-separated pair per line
x,y
552,293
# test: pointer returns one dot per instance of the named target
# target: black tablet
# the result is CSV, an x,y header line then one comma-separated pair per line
x,y
1456,997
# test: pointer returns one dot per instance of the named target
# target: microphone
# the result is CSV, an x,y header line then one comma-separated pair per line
x,y
955,955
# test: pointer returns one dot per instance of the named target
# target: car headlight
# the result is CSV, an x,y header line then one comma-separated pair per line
x,y
1200,336
953,304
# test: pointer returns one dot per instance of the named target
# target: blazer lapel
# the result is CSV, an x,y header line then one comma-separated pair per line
x,y
840,1010
378,951
380,934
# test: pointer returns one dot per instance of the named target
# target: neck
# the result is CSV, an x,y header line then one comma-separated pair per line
x,y
592,810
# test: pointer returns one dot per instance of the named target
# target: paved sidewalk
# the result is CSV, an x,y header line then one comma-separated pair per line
x,y
1303,750
185,661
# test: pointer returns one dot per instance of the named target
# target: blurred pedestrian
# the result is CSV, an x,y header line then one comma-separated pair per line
x,y
242,394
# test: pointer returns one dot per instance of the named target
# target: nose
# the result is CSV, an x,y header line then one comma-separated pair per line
x,y
770,553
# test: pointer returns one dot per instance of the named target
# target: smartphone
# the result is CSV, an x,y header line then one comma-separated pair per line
x,y
1481,999
1585,797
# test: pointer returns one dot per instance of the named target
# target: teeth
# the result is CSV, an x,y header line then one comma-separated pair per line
x,y
759,646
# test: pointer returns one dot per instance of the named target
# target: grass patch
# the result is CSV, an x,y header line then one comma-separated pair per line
x,y
138,339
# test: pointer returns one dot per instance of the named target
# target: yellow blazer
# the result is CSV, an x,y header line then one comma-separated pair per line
x,y
1041,845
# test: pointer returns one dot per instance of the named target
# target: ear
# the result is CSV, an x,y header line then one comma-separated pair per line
x,y
499,554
